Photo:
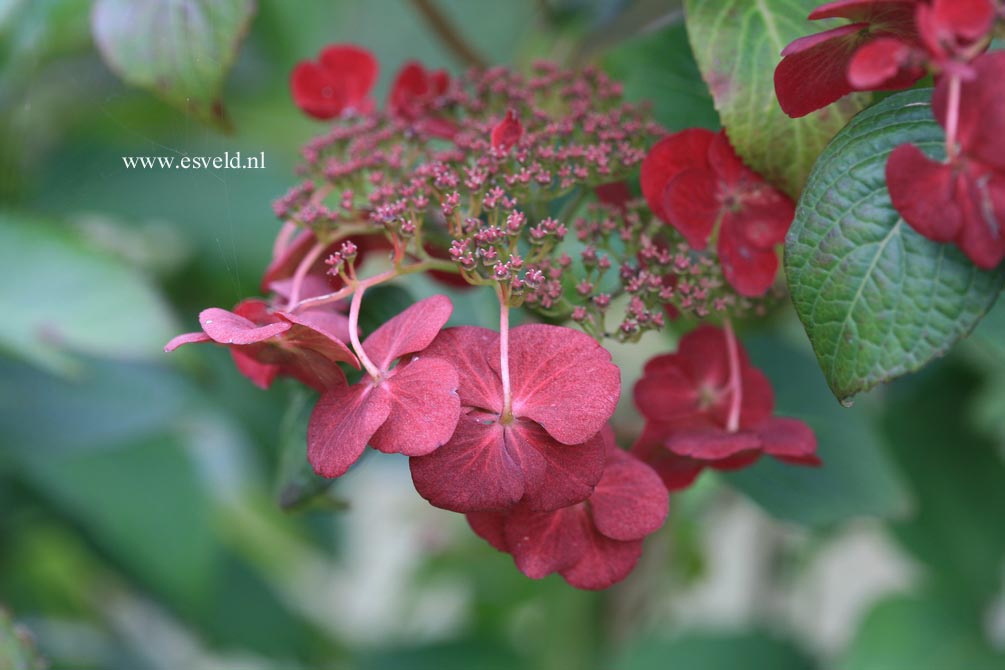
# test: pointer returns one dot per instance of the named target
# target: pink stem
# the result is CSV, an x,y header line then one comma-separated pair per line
x,y
301,272
735,383
357,300
953,116
507,413
283,239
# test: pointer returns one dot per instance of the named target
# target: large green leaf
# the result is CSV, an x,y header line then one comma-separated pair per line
x,y
707,651
180,49
876,298
920,633
857,477
737,44
59,294
658,67
958,477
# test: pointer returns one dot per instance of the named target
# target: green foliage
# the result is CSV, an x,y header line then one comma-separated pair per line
x,y
70,297
876,298
179,49
737,44
750,651
857,477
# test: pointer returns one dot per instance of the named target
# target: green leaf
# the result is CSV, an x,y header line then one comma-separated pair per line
x,y
17,651
857,478
958,478
876,298
920,633
659,67
69,297
179,49
706,651
737,44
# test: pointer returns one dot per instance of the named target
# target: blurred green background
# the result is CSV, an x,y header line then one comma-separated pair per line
x,y
139,517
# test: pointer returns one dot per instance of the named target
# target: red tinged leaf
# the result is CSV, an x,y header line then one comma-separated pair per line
x,y
813,71
507,132
411,331
424,408
341,425
669,157
562,379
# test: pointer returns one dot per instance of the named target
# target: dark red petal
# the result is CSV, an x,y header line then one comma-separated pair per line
x,y
563,474
614,194
981,197
256,311
885,63
703,356
866,10
490,526
261,374
605,562
228,328
789,440
727,164
766,216
668,157
666,395
691,205
186,338
507,132
968,19
476,471
758,401
711,444
424,408
355,68
315,92
629,501
563,380
321,331
982,110
547,542
342,423
923,192
748,269
469,349
812,73
411,331
737,461
676,472
410,85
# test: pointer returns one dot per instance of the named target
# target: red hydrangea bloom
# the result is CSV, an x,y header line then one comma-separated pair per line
x,y
339,81
592,544
415,89
410,408
265,343
548,453
694,179
687,397
962,201
814,69
949,26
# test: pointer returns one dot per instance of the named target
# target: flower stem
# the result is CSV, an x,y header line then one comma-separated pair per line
x,y
283,239
301,272
735,383
387,275
507,413
953,116
357,300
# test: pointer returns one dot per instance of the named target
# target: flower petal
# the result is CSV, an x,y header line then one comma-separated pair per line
x,y
355,68
547,542
711,444
316,92
424,408
342,423
490,526
629,501
566,474
408,332
748,269
789,440
668,157
469,349
604,563
923,192
186,338
563,380
228,328
691,205
812,73
885,63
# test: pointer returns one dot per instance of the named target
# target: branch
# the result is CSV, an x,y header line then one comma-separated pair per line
x,y
448,34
